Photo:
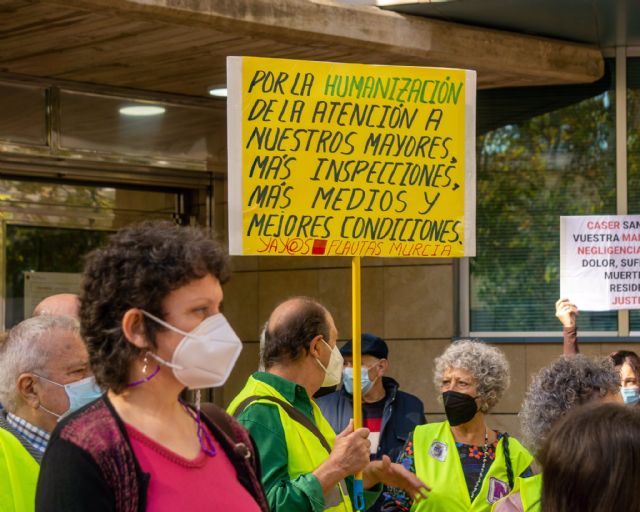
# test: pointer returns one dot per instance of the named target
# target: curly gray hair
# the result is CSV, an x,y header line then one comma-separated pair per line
x,y
487,364
560,386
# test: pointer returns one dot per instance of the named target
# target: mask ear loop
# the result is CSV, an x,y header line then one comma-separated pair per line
x,y
204,438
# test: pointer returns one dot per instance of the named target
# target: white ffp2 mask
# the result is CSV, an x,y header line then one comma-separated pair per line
x,y
333,371
206,355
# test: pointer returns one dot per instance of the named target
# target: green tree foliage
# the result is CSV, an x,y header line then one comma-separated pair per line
x,y
528,175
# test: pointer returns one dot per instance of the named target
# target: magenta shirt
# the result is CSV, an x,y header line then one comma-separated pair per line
x,y
204,483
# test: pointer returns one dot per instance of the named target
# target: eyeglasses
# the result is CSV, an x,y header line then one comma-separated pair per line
x,y
350,364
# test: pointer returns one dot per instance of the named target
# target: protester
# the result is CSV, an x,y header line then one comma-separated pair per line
x,y
150,315
44,375
566,383
66,304
468,465
566,312
591,460
60,304
304,463
627,363
388,413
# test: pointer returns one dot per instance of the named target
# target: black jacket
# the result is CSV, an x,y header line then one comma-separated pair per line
x,y
402,413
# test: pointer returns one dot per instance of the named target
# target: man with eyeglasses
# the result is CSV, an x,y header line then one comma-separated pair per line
x,y
388,413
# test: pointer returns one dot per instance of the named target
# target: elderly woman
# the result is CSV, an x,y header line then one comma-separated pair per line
x,y
150,317
468,465
561,386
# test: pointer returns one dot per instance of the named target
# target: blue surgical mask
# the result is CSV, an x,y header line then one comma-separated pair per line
x,y
630,396
79,393
347,380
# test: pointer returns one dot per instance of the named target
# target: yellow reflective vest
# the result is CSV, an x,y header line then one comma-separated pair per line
x,y
531,492
438,464
528,490
305,451
18,475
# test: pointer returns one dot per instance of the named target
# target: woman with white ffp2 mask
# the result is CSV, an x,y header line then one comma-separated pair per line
x,y
153,326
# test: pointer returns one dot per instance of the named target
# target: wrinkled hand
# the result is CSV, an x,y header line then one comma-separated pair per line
x,y
566,312
349,455
395,475
351,449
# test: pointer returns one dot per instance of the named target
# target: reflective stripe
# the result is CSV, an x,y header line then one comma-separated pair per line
x,y
335,497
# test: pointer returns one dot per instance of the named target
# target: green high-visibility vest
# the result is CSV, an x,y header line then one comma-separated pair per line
x,y
438,465
18,475
305,451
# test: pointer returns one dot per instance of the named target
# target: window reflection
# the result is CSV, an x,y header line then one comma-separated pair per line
x,y
23,114
105,124
528,175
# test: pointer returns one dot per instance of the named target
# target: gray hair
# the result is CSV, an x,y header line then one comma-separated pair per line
x,y
487,364
565,383
261,351
26,350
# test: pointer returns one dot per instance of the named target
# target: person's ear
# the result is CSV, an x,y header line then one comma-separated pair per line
x,y
314,346
134,329
383,365
28,389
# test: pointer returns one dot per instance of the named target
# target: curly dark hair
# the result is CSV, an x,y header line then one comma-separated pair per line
x,y
140,265
626,356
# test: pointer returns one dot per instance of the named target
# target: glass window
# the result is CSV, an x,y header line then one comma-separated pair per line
x,y
108,124
47,250
50,227
529,173
23,114
633,152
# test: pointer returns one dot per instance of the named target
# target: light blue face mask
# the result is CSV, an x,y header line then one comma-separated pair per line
x,y
347,380
630,396
79,393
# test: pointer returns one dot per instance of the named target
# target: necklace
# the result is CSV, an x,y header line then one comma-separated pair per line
x,y
476,487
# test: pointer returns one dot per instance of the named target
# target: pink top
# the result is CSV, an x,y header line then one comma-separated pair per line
x,y
204,483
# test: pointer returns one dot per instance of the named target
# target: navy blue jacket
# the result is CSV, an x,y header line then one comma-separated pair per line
x,y
402,413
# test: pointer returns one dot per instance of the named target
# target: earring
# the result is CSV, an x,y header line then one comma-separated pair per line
x,y
145,363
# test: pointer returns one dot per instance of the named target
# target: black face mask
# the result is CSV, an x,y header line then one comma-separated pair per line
x,y
459,407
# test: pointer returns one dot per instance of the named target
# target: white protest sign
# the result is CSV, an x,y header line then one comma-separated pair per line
x,y
600,261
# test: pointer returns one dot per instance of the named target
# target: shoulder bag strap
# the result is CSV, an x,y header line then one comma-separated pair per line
x,y
293,413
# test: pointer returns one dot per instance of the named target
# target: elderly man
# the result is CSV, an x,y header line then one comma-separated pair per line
x,y
44,375
389,414
60,304
305,466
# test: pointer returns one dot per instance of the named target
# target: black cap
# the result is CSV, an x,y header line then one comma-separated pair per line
x,y
371,344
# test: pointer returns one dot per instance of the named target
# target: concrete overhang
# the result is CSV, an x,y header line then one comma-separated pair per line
x,y
179,46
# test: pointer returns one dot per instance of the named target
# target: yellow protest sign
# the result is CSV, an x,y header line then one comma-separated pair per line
x,y
334,159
